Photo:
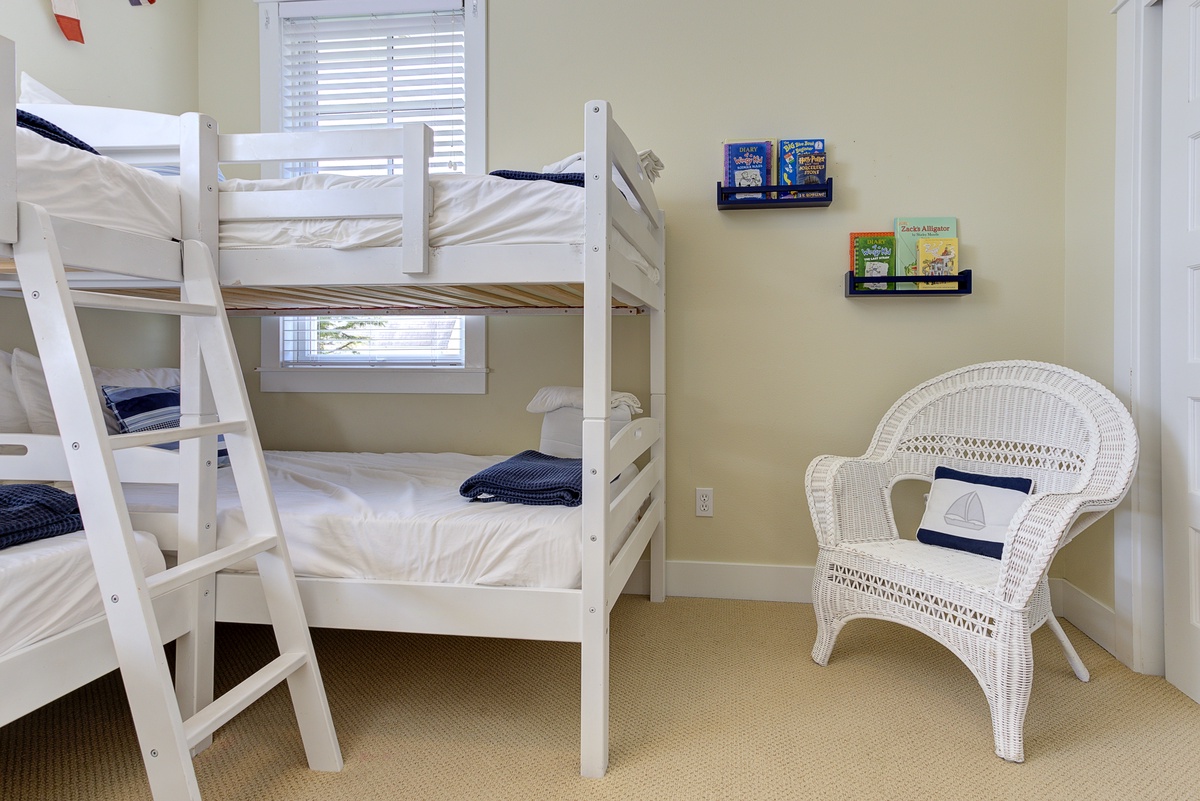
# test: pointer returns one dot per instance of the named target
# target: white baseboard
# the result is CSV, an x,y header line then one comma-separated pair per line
x,y
794,584
728,580
1085,613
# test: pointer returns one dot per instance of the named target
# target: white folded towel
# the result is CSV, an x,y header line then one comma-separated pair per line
x,y
548,399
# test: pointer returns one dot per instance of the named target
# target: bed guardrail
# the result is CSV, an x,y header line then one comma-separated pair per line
x,y
412,144
41,457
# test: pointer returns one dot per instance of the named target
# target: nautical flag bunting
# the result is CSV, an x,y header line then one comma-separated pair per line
x,y
66,13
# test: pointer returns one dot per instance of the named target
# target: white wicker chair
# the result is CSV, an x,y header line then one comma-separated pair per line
x,y
1064,431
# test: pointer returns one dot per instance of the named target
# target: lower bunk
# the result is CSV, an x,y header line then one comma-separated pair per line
x,y
386,542
54,635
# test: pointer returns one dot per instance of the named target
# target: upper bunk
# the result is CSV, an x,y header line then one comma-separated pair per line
x,y
333,244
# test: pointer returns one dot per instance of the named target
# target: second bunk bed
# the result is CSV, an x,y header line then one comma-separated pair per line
x,y
602,249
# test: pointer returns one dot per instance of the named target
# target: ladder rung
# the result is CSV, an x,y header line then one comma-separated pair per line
x,y
106,300
223,710
161,435
193,569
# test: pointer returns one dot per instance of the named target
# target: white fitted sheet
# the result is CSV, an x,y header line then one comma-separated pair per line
x,y
398,516
47,586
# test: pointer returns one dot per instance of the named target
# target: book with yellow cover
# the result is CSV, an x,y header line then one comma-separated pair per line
x,y
937,256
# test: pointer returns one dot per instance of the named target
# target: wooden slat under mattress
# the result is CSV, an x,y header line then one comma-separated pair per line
x,y
247,301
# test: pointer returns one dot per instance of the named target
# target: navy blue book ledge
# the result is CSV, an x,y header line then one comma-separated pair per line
x,y
808,196
955,285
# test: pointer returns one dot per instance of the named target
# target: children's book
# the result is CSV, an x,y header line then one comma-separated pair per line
x,y
873,253
937,256
801,163
908,230
750,164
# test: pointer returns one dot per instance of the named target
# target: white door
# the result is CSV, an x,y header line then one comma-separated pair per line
x,y
1180,275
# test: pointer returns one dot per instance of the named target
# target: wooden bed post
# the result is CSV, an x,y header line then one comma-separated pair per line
x,y
597,389
658,410
197,532
8,145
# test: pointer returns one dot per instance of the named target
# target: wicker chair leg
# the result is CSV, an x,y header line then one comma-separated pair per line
x,y
828,627
1081,671
1009,700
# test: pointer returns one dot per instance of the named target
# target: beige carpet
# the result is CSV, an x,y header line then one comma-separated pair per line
x,y
710,700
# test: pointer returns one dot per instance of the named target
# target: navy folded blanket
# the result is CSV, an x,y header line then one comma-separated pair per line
x,y
531,478
35,511
572,178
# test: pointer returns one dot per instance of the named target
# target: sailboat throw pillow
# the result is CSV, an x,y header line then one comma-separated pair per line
x,y
971,512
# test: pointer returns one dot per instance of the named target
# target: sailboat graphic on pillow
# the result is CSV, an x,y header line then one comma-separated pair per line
x,y
966,512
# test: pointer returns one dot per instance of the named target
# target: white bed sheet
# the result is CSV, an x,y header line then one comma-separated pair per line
x,y
47,586
399,516
467,210
77,185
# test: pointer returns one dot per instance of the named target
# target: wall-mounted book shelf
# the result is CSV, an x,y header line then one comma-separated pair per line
x,y
807,196
956,285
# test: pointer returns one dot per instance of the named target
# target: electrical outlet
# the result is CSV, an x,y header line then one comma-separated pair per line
x,y
704,502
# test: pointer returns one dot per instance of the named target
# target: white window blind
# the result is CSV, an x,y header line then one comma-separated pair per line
x,y
429,341
376,71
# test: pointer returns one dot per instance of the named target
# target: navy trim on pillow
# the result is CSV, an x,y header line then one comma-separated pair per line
x,y
51,131
572,178
981,547
1004,482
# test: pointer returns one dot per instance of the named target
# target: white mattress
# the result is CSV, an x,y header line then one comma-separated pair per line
x,y
47,586
398,516
78,185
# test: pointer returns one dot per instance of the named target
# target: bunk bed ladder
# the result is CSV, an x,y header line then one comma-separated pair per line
x,y
212,376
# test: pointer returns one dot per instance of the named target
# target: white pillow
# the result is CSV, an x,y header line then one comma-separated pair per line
x,y
13,419
31,389
35,396
34,92
548,399
971,512
562,430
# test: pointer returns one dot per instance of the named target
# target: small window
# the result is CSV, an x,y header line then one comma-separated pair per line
x,y
371,64
374,353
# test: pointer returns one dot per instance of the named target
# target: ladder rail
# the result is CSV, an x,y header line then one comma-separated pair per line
x,y
173,720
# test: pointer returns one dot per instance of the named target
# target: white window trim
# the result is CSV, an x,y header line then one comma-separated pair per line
x,y
471,378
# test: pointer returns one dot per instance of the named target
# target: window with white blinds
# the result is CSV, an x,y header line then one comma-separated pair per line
x,y
354,64
375,71
374,340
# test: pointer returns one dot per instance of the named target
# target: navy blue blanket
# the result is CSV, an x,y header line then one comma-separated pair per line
x,y
530,478
35,511
572,178
51,131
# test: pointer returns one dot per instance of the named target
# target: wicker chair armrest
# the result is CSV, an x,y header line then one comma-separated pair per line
x,y
1039,529
849,499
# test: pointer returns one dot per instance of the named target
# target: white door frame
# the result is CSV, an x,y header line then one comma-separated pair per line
x,y
1138,562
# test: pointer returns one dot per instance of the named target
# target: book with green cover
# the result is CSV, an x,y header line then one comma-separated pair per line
x,y
908,230
873,253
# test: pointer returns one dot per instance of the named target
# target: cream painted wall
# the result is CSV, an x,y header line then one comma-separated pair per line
x,y
1088,299
138,57
989,120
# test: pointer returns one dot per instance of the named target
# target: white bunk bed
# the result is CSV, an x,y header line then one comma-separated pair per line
x,y
615,261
